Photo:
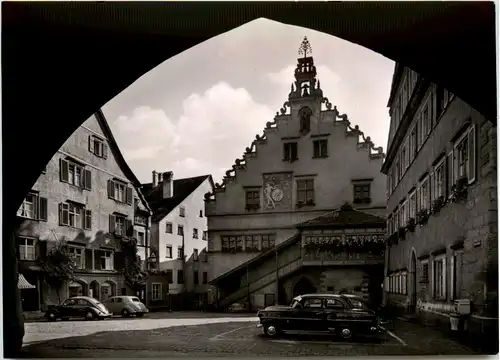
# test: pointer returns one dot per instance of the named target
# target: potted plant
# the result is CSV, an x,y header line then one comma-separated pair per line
x,y
459,190
410,224
422,217
437,204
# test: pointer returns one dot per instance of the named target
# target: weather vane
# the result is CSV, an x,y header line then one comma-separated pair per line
x,y
305,47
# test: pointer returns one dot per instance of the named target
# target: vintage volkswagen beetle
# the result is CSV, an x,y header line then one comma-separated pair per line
x,y
341,315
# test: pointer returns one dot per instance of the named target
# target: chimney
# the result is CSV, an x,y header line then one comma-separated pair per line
x,y
168,184
155,178
159,178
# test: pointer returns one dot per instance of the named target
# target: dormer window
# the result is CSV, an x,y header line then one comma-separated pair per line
x,y
98,147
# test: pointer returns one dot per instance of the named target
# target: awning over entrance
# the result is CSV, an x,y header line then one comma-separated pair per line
x,y
23,284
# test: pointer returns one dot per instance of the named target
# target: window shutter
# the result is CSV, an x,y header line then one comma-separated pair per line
x,y
111,189
449,173
64,214
88,219
88,180
35,207
471,143
91,144
129,195
104,150
418,198
42,209
112,223
129,229
431,188
63,170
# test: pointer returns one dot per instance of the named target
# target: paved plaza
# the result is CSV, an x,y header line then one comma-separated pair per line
x,y
217,336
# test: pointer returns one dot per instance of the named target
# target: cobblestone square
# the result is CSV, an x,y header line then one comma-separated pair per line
x,y
218,337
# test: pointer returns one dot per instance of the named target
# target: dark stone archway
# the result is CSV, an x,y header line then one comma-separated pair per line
x,y
303,286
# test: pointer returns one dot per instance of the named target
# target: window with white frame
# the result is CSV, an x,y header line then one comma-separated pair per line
x,y
27,249
27,209
424,193
180,230
182,211
140,238
168,228
465,156
107,260
119,192
439,277
180,252
156,292
169,252
79,255
413,142
404,212
439,188
120,223
412,204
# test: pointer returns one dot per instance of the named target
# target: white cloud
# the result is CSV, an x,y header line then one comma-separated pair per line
x,y
213,130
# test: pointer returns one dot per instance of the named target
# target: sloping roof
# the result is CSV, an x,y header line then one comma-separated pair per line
x,y
115,150
182,189
345,217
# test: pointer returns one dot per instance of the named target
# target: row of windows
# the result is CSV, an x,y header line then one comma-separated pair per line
x,y
75,174
402,97
180,253
424,123
180,231
438,181
157,294
104,260
248,243
290,150
397,282
182,212
305,194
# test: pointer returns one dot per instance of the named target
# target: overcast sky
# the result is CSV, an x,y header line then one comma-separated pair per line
x,y
195,113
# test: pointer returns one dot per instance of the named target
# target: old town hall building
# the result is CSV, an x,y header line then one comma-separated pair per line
x,y
301,211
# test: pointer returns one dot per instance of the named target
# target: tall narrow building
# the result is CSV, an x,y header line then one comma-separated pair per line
x,y
442,205
301,210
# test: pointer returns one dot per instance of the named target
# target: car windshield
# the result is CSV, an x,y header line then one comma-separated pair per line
x,y
134,299
358,303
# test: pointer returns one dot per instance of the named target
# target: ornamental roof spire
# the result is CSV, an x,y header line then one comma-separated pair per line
x,y
305,47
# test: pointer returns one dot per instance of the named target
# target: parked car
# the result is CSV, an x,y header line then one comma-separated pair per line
x,y
126,306
341,315
78,306
359,303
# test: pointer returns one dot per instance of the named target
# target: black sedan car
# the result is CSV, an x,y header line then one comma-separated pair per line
x,y
78,306
342,315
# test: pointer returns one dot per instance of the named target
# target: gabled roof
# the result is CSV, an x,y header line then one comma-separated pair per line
x,y
182,189
345,217
115,150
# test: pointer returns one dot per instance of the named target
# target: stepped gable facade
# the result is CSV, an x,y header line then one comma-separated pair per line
x,y
309,161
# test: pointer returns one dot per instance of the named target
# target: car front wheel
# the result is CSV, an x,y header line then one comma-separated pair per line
x,y
271,330
89,315
51,316
125,313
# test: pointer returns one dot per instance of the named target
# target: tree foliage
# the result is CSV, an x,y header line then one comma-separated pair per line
x,y
132,268
59,266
